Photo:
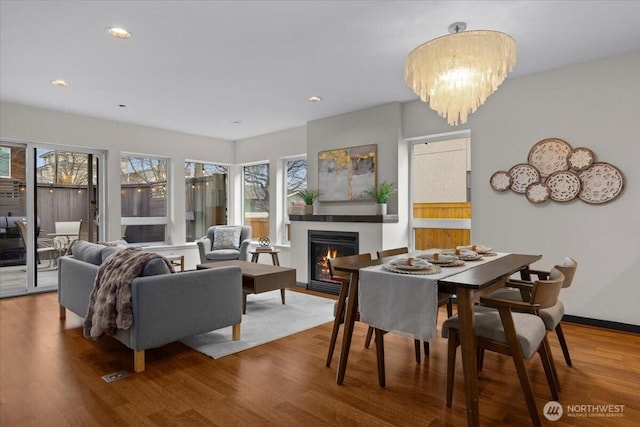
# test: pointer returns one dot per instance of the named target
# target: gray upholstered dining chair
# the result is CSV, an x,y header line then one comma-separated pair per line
x,y
520,290
224,243
515,329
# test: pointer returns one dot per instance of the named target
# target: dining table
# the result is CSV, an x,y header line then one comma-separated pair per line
x,y
464,281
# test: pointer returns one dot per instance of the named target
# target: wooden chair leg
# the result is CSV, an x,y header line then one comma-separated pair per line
x,y
340,308
563,345
426,348
367,341
449,308
518,361
523,376
380,355
451,364
547,362
480,357
416,344
552,364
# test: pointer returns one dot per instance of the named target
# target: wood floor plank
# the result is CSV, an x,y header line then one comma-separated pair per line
x,y
51,375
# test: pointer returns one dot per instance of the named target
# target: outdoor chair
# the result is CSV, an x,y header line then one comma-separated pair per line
x,y
49,246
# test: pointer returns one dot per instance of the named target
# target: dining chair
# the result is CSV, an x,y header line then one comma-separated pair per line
x,y
520,290
340,306
443,299
515,329
49,246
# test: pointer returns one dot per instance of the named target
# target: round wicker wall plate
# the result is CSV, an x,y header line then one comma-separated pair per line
x,y
550,155
581,158
500,181
538,192
523,175
564,186
601,183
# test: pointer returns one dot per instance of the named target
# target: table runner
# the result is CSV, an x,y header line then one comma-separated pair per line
x,y
405,304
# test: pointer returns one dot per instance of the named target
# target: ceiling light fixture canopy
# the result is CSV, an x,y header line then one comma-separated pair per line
x,y
456,73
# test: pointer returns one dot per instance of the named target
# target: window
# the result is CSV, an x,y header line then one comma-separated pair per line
x,y
206,197
5,162
296,180
143,192
256,198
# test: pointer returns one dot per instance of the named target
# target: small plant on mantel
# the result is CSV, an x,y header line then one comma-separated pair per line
x,y
381,194
309,195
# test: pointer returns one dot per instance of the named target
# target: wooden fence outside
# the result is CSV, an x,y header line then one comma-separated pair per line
x,y
426,238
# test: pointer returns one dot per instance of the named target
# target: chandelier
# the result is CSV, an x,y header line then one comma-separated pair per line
x,y
456,73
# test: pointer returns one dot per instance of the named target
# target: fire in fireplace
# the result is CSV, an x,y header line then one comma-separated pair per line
x,y
324,245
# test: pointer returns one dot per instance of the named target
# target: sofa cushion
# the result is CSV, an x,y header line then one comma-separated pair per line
x,y
106,251
87,252
154,267
226,238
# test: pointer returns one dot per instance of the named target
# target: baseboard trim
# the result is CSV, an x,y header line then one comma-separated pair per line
x,y
606,324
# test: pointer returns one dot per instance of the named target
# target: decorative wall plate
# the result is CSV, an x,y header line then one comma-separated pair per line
x,y
581,158
601,183
550,155
538,192
564,186
500,181
523,175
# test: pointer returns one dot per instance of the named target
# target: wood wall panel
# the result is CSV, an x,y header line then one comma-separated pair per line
x,y
426,238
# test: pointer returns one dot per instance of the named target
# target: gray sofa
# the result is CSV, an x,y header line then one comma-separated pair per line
x,y
166,306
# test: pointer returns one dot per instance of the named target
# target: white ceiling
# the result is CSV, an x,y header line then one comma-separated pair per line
x,y
203,66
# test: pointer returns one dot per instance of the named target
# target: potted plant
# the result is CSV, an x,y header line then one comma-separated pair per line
x,y
381,193
308,195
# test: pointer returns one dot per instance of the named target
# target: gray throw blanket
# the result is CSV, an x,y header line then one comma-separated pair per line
x,y
110,300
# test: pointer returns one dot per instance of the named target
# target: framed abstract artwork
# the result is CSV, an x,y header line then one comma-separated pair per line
x,y
345,173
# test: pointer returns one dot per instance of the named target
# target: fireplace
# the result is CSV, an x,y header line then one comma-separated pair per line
x,y
322,246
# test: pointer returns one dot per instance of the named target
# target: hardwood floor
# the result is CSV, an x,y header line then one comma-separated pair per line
x,y
51,376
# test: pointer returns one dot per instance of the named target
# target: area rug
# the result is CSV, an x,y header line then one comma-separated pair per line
x,y
267,319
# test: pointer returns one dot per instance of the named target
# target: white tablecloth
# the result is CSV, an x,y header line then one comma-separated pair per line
x,y
405,304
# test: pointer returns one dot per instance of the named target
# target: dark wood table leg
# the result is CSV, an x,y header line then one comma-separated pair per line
x,y
254,257
244,303
469,357
349,320
380,354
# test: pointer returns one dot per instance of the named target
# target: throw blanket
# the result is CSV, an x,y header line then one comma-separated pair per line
x,y
110,300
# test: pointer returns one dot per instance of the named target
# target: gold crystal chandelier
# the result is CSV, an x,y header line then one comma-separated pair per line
x,y
456,73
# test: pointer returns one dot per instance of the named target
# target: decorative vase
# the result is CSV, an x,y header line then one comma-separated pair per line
x,y
381,209
308,209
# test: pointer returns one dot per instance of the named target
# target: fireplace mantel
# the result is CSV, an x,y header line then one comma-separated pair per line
x,y
380,219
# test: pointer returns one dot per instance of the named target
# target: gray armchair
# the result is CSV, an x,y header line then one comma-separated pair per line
x,y
225,242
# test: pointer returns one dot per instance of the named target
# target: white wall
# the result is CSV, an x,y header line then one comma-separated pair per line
x,y
594,105
29,124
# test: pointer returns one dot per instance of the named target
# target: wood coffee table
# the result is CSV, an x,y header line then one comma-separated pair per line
x,y
258,278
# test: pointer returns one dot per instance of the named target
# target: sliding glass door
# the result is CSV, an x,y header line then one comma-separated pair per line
x,y
50,197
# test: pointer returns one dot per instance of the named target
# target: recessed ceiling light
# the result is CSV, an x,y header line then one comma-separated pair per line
x,y
60,83
314,99
118,33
